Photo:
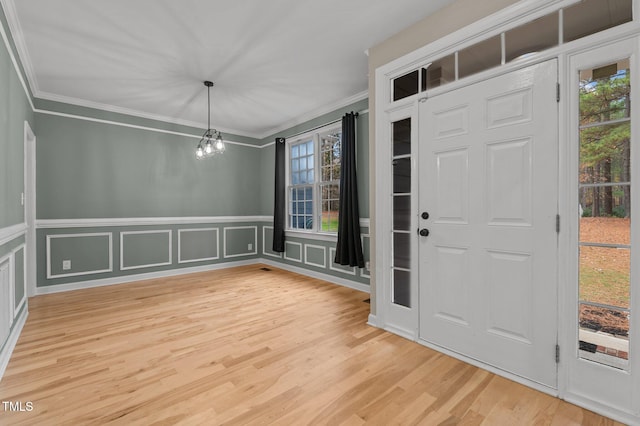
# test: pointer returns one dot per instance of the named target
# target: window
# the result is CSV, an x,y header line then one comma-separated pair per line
x,y
314,181
604,195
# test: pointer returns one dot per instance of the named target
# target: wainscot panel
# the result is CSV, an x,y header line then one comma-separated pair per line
x,y
198,244
145,249
140,246
314,255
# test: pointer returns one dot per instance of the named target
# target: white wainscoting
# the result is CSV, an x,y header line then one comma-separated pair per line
x,y
10,233
296,244
364,272
146,221
264,242
248,253
315,247
6,299
51,237
10,323
148,265
22,301
200,230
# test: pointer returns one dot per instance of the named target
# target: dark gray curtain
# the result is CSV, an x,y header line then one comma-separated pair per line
x,y
280,197
349,246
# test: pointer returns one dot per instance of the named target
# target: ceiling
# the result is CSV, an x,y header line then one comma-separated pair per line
x,y
274,63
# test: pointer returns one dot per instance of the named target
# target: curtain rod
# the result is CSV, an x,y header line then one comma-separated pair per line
x,y
357,113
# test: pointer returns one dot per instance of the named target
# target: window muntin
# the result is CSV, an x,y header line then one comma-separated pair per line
x,y
314,182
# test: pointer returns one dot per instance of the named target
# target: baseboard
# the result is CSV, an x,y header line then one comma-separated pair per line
x,y
81,285
613,413
407,334
373,321
7,350
319,275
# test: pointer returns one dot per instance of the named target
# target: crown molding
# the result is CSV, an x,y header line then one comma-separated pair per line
x,y
134,113
317,113
17,34
14,60
126,111
135,126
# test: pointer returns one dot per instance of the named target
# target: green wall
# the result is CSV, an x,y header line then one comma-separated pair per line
x,y
14,110
88,169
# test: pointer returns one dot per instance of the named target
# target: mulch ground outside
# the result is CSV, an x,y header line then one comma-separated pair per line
x,y
616,323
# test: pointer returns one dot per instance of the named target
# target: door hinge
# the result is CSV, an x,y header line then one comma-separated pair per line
x,y
557,92
557,354
558,223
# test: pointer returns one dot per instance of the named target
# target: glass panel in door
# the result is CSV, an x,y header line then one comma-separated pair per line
x,y
605,214
401,204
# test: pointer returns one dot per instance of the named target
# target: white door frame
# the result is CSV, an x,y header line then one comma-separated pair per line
x,y
29,195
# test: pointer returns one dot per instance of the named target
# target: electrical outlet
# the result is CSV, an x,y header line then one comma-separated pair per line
x,y
249,246
367,266
66,265
22,199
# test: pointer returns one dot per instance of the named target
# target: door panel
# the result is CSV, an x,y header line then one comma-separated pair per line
x,y
488,178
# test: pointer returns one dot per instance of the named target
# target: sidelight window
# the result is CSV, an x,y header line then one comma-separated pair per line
x,y
605,214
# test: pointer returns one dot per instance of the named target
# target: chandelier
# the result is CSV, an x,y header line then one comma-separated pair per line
x,y
211,142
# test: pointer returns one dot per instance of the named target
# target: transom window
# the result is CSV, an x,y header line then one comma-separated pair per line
x,y
578,20
314,181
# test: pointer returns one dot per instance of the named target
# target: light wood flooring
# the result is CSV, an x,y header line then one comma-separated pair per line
x,y
246,346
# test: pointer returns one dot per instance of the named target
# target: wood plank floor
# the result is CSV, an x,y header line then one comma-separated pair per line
x,y
246,346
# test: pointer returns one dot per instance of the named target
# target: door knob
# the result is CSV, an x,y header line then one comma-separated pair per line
x,y
424,232
425,215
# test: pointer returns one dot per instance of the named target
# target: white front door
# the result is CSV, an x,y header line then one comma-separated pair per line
x,y
488,182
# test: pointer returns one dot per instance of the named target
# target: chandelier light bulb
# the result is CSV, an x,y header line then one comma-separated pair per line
x,y
210,147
